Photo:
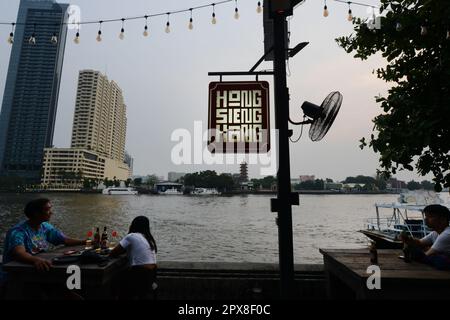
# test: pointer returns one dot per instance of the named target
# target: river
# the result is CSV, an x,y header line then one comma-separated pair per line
x,y
211,228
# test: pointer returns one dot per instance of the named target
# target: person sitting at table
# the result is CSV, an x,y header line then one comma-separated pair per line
x,y
433,249
28,238
141,249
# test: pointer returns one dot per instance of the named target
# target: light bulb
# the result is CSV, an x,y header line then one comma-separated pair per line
x,y
350,15
11,38
54,39
236,13
191,24
213,20
398,26
77,38
122,34
99,36
145,33
423,30
168,27
259,8
325,11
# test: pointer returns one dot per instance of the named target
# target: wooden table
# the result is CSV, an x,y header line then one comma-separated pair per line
x,y
95,279
346,273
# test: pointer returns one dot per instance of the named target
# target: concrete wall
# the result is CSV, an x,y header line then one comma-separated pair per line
x,y
235,281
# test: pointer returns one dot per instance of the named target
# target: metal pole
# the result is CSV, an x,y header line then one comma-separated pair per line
x,y
284,176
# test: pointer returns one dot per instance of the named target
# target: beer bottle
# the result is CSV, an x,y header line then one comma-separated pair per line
x,y
104,240
97,238
373,253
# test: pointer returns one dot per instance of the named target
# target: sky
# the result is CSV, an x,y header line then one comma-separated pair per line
x,y
164,78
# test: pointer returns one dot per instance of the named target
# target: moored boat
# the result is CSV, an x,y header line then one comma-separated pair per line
x,y
119,191
406,215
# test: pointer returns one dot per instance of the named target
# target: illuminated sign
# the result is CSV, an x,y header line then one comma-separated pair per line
x,y
238,119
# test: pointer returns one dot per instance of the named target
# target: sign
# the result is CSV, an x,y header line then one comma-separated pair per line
x,y
238,119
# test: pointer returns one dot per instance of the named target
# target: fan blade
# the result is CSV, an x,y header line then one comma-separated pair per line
x,y
330,108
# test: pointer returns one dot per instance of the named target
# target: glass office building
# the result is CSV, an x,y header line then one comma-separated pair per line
x,y
27,119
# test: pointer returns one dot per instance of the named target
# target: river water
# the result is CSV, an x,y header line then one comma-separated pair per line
x,y
212,228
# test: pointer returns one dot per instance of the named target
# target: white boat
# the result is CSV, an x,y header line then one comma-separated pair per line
x,y
205,192
119,191
172,191
406,215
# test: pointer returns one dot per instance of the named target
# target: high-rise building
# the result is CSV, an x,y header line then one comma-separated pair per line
x,y
30,99
98,137
100,122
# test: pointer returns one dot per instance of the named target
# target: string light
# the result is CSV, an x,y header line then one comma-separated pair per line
x,y
191,22
168,23
122,31
350,15
54,38
325,9
99,33
259,8
213,20
145,33
236,11
11,35
32,39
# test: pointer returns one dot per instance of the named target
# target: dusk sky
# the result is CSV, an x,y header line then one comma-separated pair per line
x,y
165,79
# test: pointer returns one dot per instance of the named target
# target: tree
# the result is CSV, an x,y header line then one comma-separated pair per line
x,y
413,185
416,111
152,180
137,182
427,185
128,182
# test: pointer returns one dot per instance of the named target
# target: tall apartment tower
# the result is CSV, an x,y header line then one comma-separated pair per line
x,y
30,99
100,122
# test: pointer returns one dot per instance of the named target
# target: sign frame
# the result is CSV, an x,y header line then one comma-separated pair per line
x,y
262,146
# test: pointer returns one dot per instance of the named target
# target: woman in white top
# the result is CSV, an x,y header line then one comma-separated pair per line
x,y
141,249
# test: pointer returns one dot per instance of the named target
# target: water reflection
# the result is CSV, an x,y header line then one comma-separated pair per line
x,y
189,228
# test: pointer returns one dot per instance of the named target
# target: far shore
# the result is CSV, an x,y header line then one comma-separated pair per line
x,y
230,193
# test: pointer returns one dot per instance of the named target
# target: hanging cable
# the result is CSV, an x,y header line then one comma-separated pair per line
x,y
301,132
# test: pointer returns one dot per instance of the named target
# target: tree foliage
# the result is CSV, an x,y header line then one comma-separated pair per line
x,y
209,179
414,128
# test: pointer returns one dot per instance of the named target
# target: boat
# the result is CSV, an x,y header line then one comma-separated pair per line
x,y
205,192
119,191
406,215
171,191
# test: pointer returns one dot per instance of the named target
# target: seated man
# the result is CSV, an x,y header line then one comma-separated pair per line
x,y
434,248
34,235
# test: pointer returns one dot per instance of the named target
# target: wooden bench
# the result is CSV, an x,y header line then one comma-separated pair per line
x,y
346,272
